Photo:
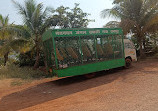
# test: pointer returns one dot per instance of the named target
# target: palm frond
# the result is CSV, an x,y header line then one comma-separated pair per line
x,y
30,6
37,17
18,30
1,19
4,20
51,21
20,8
17,45
4,49
48,11
117,11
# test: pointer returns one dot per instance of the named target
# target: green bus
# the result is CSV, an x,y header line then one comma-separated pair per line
x,y
71,52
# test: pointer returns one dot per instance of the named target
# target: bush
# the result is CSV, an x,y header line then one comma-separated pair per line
x,y
1,61
28,59
14,71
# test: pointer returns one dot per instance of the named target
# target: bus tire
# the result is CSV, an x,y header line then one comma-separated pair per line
x,y
128,62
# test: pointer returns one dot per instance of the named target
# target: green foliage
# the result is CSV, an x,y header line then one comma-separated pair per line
x,y
26,73
137,16
1,61
71,18
9,40
112,24
61,14
35,17
36,20
28,59
16,83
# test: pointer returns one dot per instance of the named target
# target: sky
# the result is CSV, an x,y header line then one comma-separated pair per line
x,y
93,7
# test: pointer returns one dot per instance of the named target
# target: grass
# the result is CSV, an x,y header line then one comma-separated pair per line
x,y
20,74
17,83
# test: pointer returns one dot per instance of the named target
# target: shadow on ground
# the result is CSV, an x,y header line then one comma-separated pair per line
x,y
55,89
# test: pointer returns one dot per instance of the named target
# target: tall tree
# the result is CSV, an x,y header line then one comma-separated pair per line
x,y
9,40
61,13
4,36
72,18
37,20
112,24
138,16
77,18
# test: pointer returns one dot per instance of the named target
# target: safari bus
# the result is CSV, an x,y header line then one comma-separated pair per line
x,y
71,52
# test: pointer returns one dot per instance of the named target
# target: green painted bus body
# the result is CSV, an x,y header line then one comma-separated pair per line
x,y
59,41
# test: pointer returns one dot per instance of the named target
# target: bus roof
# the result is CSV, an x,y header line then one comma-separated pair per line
x,y
80,32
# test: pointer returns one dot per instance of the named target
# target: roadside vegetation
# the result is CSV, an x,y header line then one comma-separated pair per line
x,y
21,53
21,75
138,17
25,73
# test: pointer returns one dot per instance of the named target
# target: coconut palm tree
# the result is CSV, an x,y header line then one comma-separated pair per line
x,y
37,20
4,35
9,41
112,24
138,16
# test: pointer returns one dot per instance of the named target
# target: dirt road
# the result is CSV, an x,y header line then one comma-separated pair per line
x,y
134,89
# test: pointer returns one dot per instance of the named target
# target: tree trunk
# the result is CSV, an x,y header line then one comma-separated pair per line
x,y
6,58
142,54
45,61
46,66
36,65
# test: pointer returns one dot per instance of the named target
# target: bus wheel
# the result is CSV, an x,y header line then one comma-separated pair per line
x,y
128,63
91,75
